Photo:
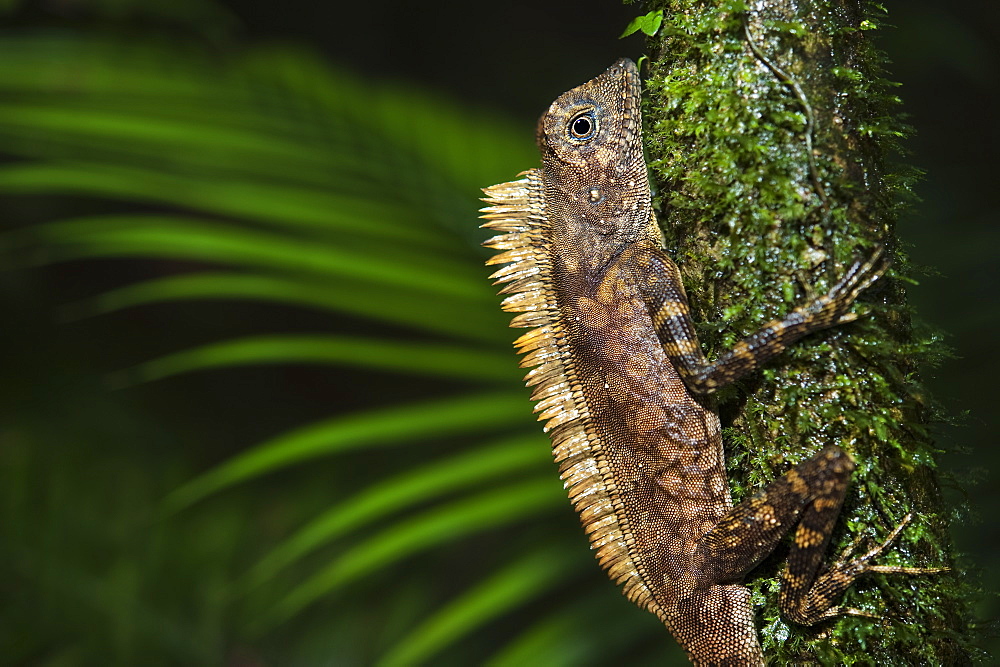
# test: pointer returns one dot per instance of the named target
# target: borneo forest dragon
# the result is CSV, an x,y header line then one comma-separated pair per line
x,y
620,378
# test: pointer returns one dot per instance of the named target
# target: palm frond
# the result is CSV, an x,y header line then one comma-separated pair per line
x,y
427,359
542,569
381,427
486,511
438,478
268,176
352,298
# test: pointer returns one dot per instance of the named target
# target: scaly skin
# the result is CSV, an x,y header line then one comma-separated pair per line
x,y
621,380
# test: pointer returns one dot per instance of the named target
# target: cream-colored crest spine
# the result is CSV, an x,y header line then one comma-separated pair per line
x,y
517,208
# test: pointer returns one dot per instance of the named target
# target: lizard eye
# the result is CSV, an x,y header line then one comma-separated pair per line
x,y
583,126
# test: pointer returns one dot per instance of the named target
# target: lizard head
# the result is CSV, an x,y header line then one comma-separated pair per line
x,y
596,124
593,164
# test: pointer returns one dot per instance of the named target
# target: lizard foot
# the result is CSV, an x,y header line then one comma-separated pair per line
x,y
857,279
847,570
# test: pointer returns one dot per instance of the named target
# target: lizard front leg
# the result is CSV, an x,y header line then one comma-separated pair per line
x,y
668,307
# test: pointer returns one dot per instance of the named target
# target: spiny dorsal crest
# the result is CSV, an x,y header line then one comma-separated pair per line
x,y
590,142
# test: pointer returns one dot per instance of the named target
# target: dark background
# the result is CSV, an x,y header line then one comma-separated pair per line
x,y
510,58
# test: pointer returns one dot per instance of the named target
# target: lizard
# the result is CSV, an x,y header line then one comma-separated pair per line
x,y
626,392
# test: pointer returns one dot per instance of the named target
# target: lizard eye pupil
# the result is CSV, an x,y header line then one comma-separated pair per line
x,y
582,127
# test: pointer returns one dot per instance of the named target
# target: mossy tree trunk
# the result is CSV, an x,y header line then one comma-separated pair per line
x,y
769,125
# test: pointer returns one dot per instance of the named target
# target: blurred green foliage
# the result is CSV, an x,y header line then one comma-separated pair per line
x,y
421,519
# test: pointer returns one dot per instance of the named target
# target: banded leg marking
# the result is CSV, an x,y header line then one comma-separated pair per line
x,y
808,497
672,319
818,603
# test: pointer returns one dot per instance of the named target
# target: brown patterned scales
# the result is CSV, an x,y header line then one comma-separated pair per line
x,y
617,371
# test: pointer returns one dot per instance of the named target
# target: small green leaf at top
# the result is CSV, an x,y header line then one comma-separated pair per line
x,y
648,24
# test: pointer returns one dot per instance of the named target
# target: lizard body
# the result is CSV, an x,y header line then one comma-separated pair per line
x,y
621,382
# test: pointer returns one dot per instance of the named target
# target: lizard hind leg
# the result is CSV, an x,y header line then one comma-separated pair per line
x,y
818,602
807,498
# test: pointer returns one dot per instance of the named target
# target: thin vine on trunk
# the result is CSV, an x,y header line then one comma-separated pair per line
x,y
770,127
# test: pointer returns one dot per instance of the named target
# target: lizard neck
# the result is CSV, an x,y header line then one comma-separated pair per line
x,y
594,214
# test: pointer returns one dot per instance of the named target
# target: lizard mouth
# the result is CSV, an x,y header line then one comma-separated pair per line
x,y
624,76
629,78
629,68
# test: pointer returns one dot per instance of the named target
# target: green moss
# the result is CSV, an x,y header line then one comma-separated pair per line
x,y
771,163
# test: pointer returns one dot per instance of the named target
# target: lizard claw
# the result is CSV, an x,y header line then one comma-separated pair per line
x,y
861,276
860,565
858,278
843,573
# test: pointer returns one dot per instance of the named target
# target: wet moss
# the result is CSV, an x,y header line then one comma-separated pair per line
x,y
773,139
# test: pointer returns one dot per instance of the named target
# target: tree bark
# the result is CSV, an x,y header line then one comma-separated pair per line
x,y
769,130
